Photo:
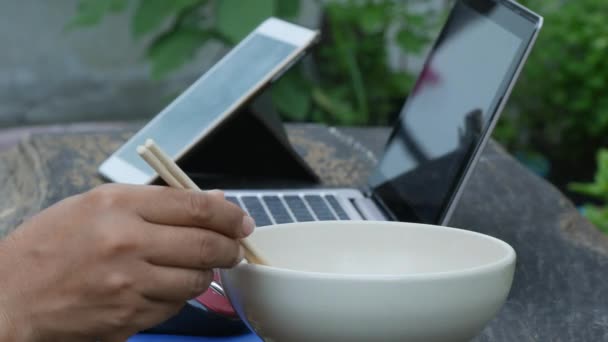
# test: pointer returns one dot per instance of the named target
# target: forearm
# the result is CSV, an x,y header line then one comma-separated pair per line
x,y
9,329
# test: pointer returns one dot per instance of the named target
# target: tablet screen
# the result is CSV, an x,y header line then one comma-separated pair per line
x,y
450,109
212,96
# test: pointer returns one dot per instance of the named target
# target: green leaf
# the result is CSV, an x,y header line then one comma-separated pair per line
x,y
345,44
90,12
338,12
287,9
151,14
317,115
116,6
601,176
338,108
373,19
416,20
411,42
599,187
291,95
174,49
401,83
598,216
237,18
601,43
587,189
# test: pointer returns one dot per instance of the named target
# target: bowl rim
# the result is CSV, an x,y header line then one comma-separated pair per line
x,y
494,266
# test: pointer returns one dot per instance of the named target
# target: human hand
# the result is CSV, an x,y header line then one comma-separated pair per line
x,y
113,261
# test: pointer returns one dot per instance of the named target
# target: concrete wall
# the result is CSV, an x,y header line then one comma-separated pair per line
x,y
48,74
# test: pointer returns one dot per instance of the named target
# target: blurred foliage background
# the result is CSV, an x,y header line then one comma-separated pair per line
x,y
346,80
557,118
556,122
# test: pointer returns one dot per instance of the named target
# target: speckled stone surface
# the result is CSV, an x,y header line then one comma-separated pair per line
x,y
47,167
560,291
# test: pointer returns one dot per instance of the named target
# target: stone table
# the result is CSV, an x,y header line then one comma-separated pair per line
x,y
559,291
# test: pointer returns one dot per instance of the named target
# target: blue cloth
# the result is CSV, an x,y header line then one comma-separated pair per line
x,y
168,338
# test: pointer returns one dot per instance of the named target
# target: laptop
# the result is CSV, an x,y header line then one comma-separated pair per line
x,y
440,133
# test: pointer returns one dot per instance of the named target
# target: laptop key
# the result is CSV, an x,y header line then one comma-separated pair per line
x,y
277,209
298,208
333,202
256,210
319,207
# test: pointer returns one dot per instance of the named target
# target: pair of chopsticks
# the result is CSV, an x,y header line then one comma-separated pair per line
x,y
175,177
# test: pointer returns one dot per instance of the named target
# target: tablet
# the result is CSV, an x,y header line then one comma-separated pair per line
x,y
255,62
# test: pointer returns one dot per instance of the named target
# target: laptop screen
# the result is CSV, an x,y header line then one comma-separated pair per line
x,y
451,108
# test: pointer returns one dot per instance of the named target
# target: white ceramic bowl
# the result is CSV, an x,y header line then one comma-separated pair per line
x,y
371,281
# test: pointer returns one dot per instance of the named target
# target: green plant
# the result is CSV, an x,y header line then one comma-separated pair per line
x,y
349,80
559,107
355,84
179,28
598,214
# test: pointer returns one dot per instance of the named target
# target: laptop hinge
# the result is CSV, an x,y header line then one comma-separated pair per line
x,y
371,207
367,191
368,209
382,206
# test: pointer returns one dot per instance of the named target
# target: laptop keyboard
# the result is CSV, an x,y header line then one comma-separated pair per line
x,y
299,210
256,210
319,207
277,210
270,209
335,205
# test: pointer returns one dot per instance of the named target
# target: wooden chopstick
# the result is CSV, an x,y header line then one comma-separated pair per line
x,y
173,168
162,171
175,177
